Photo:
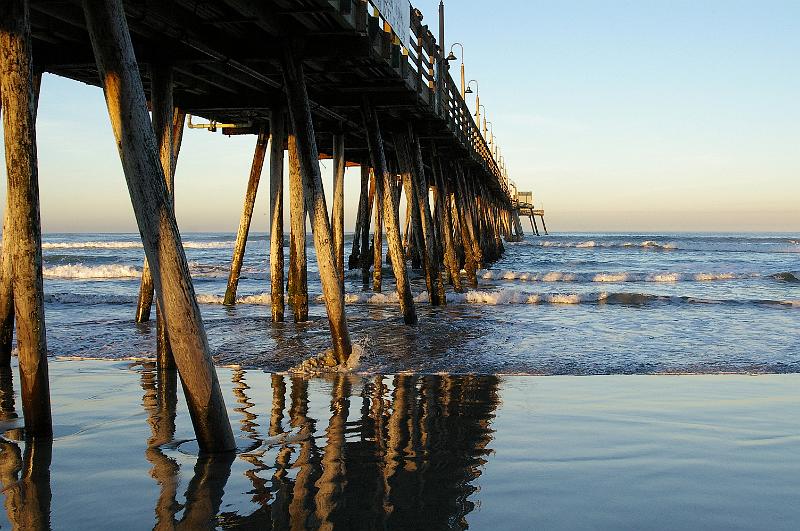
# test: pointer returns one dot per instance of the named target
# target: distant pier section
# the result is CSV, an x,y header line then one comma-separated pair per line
x,y
524,206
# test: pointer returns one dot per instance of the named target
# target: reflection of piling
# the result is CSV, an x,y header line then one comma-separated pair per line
x,y
160,401
333,479
205,490
301,508
26,482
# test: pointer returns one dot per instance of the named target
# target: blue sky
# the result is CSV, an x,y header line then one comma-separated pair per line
x,y
618,115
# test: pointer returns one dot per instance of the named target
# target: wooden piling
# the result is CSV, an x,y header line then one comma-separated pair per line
x,y
338,204
147,186
25,235
450,260
366,172
375,142
247,216
277,141
308,159
412,158
469,243
355,253
163,118
377,237
6,295
298,261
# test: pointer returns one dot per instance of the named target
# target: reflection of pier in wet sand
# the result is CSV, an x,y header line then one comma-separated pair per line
x,y
405,457
407,452
392,452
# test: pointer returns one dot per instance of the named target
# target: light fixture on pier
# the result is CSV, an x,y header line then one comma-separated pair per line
x,y
477,100
452,57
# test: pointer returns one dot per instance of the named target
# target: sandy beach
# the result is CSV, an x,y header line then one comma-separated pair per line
x,y
411,452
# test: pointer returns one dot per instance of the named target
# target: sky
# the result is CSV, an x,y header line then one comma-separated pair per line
x,y
618,116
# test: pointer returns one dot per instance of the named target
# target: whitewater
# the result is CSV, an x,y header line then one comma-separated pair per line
x,y
559,304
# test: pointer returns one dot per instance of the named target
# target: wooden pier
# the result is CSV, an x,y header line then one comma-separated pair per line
x,y
319,79
523,206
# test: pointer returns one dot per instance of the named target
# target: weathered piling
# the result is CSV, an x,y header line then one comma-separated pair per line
x,y
168,128
298,262
127,107
163,116
355,253
25,235
247,216
390,217
6,295
338,204
410,153
450,261
307,157
469,244
377,237
366,258
277,141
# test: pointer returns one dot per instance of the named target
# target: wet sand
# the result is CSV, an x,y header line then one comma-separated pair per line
x,y
410,452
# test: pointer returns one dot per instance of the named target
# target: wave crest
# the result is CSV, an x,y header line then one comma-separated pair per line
x,y
612,277
82,271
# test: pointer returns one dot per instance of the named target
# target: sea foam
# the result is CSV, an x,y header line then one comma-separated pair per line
x,y
610,277
130,245
82,271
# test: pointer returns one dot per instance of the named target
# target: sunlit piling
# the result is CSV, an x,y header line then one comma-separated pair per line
x,y
247,216
277,129
127,107
19,101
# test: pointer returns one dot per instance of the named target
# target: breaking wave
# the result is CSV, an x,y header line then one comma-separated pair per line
x,y
91,272
481,297
557,276
648,244
514,296
130,245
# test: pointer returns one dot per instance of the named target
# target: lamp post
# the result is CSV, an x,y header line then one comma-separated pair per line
x,y
491,131
452,57
484,120
477,100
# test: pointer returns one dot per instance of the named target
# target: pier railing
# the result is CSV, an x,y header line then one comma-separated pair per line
x,y
417,59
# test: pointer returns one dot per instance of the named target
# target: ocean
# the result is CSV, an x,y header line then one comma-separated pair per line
x,y
563,304
471,419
